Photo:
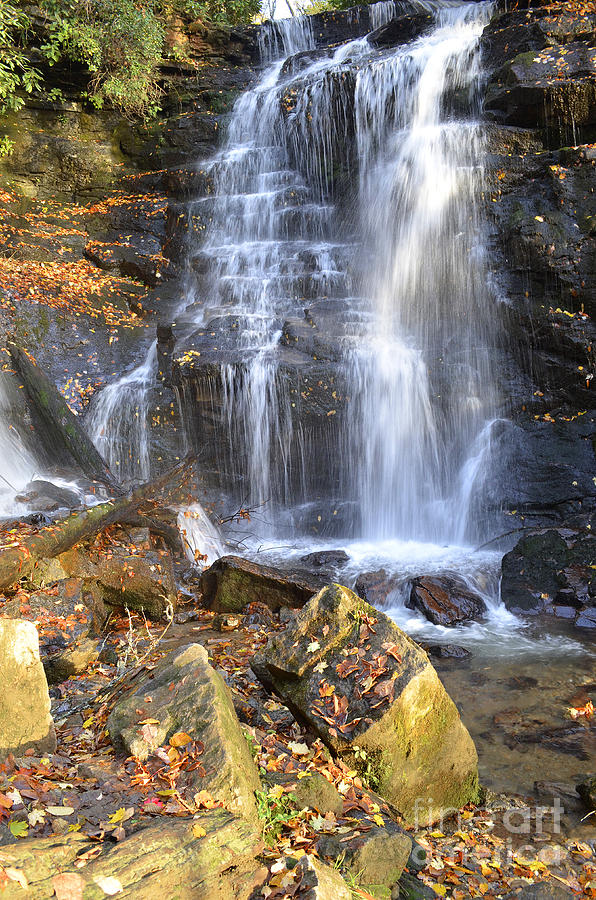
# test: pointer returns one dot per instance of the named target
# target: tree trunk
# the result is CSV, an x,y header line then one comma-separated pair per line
x,y
16,562
62,424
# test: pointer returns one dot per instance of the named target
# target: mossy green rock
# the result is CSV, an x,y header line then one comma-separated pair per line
x,y
375,859
232,582
188,695
315,792
391,717
209,857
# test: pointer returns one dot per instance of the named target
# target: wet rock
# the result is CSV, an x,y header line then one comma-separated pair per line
x,y
542,891
544,569
411,742
315,792
587,791
233,582
25,720
325,559
209,857
375,587
189,696
448,651
400,30
320,882
445,600
62,617
375,859
300,61
45,495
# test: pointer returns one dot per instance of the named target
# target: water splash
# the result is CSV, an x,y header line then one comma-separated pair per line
x,y
202,540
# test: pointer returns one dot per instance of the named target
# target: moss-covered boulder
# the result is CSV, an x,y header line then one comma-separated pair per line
x,y
187,695
209,857
25,720
141,581
373,696
232,582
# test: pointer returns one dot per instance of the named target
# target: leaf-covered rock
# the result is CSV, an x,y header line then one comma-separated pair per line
x,y
211,857
189,696
373,696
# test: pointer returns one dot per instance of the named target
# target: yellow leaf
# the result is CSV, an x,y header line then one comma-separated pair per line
x,y
439,889
379,820
88,722
117,816
437,834
198,830
180,739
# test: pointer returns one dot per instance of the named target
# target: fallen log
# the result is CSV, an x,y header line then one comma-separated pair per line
x,y
62,424
18,561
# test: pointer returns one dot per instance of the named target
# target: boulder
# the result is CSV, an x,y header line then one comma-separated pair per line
x,y
372,695
209,857
232,582
375,858
552,572
187,695
325,559
25,720
445,600
315,792
143,582
320,882
72,661
587,791
374,587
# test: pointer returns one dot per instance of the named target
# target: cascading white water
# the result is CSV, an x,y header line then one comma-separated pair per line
x,y
423,378
18,463
117,421
418,339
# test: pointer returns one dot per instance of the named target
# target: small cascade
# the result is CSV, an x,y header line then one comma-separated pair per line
x,y
117,421
279,38
18,463
381,13
202,540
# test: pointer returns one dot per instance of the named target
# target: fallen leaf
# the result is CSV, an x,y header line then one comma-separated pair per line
x,y
17,875
108,884
180,739
68,886
198,830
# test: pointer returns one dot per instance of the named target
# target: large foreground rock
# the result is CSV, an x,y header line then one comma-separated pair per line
x,y
211,857
25,720
372,695
232,582
187,695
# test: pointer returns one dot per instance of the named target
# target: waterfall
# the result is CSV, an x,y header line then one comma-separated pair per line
x,y
117,421
423,379
18,463
402,259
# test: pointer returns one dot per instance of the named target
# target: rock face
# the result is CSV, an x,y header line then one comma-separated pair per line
x,y
211,857
232,582
552,572
445,601
189,696
25,720
372,695
142,582
587,791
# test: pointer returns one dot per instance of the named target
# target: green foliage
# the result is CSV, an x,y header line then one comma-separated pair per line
x,y
119,42
16,72
6,146
276,810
